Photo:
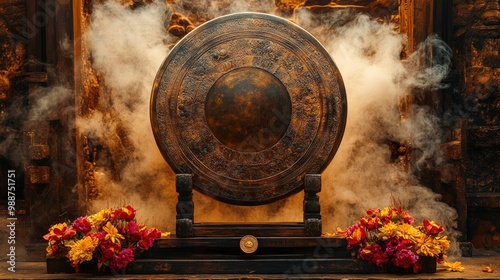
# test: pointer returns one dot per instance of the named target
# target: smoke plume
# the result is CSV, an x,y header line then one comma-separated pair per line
x,y
127,47
362,175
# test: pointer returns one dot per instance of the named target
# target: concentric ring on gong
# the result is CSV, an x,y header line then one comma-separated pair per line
x,y
249,104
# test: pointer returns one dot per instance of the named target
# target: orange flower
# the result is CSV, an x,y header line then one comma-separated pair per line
x,y
357,236
488,269
341,232
370,223
59,232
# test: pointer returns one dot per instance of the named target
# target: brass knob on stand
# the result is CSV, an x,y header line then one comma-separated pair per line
x,y
249,244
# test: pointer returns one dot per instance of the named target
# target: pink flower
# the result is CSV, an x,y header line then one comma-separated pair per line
x,y
122,259
396,244
404,258
82,224
132,231
101,235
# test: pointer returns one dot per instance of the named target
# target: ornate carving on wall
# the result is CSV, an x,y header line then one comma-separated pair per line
x,y
476,41
12,54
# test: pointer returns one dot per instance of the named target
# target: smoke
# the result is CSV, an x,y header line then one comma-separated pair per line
x,y
52,100
362,174
128,47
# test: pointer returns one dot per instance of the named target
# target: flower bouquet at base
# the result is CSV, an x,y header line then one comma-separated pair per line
x,y
111,237
388,238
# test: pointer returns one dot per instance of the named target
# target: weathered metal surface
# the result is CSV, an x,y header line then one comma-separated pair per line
x,y
249,244
249,103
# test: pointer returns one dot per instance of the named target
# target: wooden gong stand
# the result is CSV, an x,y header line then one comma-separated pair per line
x,y
185,226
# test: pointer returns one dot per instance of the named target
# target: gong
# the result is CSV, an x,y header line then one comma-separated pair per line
x,y
248,103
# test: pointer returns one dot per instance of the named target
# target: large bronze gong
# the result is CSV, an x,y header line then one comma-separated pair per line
x,y
249,104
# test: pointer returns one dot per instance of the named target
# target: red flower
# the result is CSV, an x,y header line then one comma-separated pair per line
x,y
370,223
373,254
373,212
147,238
432,228
125,213
109,249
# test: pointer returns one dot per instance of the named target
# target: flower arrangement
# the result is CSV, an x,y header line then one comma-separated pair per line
x,y
112,237
388,235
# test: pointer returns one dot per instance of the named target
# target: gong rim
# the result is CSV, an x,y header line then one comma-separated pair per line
x,y
228,43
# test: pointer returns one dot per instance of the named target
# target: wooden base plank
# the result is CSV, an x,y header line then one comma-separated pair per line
x,y
258,230
272,242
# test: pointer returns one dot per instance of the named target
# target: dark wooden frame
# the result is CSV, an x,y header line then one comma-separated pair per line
x,y
185,226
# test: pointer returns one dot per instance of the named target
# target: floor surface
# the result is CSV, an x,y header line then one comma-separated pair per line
x,y
473,270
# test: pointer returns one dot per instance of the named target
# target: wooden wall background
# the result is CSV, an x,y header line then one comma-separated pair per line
x,y
40,45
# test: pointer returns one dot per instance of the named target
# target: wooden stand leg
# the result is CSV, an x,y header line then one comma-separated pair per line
x,y
312,216
185,206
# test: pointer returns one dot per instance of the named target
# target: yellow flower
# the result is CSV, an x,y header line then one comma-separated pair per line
x,y
385,212
50,251
444,242
408,231
112,233
456,266
100,217
82,250
428,246
388,231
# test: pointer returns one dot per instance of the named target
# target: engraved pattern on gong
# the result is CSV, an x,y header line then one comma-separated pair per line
x,y
261,54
